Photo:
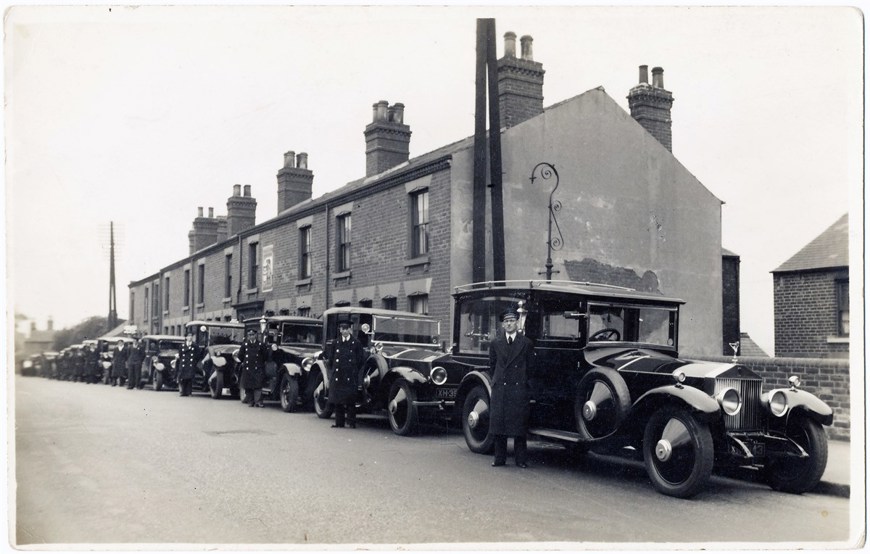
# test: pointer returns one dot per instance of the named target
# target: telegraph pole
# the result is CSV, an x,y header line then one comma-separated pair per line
x,y
113,307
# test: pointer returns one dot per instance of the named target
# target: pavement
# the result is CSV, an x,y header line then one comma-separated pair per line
x,y
836,481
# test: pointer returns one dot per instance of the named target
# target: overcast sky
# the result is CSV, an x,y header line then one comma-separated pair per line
x,y
139,115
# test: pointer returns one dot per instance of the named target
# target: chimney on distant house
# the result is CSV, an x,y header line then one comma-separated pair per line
x,y
294,180
388,139
650,105
241,210
520,82
204,232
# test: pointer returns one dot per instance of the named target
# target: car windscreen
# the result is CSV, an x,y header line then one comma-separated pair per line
x,y
301,333
402,329
168,345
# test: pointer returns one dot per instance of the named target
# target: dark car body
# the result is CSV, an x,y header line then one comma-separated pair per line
x,y
158,363
293,342
215,372
406,371
607,376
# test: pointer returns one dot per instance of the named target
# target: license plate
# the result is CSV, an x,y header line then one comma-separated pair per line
x,y
758,449
445,394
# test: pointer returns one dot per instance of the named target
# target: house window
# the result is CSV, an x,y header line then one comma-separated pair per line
x,y
132,306
200,282
343,247
228,276
366,303
146,306
420,223
155,301
305,252
166,295
389,303
253,265
304,312
419,303
843,308
186,288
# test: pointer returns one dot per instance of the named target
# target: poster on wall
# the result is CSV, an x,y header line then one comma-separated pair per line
x,y
268,259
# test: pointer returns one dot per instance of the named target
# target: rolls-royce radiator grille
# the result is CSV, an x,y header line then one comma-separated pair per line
x,y
749,416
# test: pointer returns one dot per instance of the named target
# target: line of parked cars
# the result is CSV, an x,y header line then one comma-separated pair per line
x,y
607,378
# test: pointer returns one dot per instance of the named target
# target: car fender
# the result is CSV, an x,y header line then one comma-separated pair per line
x,y
409,374
380,361
469,381
320,365
293,370
704,406
800,402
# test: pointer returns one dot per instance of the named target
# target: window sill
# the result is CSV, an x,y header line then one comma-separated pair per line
x,y
419,260
838,340
303,282
166,312
228,299
341,274
185,309
252,290
200,305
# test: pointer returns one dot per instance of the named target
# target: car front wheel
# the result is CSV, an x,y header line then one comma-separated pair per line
x,y
158,380
475,421
322,407
677,452
289,393
401,408
799,475
217,385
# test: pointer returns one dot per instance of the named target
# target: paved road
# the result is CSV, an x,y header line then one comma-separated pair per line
x,y
99,464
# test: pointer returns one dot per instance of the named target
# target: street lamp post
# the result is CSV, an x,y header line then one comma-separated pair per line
x,y
547,171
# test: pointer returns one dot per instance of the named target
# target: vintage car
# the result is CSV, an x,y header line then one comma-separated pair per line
x,y
607,376
406,371
48,365
291,341
106,351
31,365
158,363
219,340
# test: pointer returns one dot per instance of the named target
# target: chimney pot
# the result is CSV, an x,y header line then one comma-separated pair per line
x,y
199,211
510,44
381,111
237,190
526,47
210,212
399,112
289,158
302,160
658,77
247,190
644,75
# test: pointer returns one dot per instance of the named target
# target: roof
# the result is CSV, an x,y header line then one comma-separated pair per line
x,y
232,324
749,347
570,287
828,250
382,312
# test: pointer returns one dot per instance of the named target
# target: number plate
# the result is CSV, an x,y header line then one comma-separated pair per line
x,y
757,449
445,394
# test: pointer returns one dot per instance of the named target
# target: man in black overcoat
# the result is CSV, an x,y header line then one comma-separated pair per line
x,y
119,363
134,364
188,356
345,357
511,357
252,368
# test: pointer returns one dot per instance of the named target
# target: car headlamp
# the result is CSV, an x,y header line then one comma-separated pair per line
x,y
730,401
438,375
378,347
778,403
219,361
307,363
794,381
679,376
159,366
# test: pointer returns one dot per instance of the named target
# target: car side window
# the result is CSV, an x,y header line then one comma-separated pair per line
x,y
479,322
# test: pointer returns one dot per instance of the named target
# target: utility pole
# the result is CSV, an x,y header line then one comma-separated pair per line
x,y
113,306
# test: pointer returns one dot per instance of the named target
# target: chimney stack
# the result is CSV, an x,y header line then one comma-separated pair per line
x,y
204,232
388,139
294,180
520,82
241,211
650,105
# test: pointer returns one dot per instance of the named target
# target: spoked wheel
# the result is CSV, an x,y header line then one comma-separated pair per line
x,y
322,408
601,404
216,385
289,393
475,421
401,408
795,474
369,377
677,452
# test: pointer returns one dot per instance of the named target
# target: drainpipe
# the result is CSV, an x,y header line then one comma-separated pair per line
x,y
326,288
239,288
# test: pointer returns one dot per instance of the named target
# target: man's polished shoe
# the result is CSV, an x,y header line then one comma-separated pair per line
x,y
334,426
497,464
523,465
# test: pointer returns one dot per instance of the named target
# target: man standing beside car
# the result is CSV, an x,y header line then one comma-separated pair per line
x,y
345,356
511,357
119,363
252,368
188,355
134,365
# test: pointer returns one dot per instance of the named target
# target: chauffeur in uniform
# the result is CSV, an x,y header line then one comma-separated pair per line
x,y
511,357
345,357
119,363
252,359
134,364
188,355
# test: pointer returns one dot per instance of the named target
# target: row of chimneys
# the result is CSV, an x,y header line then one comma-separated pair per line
x,y
520,97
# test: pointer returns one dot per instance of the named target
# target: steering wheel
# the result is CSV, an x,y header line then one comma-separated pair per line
x,y
608,333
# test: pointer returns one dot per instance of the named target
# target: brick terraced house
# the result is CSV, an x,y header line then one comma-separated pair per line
x,y
400,237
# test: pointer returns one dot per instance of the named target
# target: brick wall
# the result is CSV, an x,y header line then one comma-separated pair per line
x,y
805,315
826,378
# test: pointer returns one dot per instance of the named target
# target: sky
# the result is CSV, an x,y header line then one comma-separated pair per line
x,y
139,115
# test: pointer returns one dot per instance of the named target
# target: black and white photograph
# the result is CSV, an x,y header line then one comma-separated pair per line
x,y
434,277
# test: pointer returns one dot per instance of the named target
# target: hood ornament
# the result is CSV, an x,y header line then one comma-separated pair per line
x,y
735,346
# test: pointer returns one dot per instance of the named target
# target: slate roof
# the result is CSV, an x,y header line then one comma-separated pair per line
x,y
828,250
749,347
